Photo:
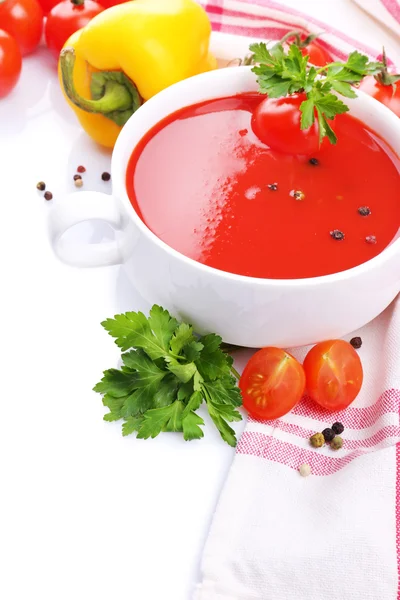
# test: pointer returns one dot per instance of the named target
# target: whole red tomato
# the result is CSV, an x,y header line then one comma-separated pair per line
x,y
387,93
10,63
276,122
109,3
66,18
307,44
23,19
47,5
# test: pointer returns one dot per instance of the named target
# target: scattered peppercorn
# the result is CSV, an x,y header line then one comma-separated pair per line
x,y
79,182
336,443
298,195
338,428
370,239
106,176
48,195
41,186
314,162
356,342
305,470
337,234
272,186
81,169
317,440
76,177
328,434
364,211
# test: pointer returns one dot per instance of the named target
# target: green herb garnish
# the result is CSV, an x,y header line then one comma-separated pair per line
x,y
280,73
166,375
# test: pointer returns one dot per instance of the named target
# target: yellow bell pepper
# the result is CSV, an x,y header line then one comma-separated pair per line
x,y
126,55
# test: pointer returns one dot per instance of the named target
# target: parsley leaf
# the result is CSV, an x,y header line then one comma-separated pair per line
x,y
281,72
166,375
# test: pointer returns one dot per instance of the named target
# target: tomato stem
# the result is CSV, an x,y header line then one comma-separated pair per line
x,y
113,94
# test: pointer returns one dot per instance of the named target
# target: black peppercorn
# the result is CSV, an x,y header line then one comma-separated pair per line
x,y
272,186
314,162
356,342
106,176
41,186
48,195
328,434
364,211
298,195
337,234
370,239
338,428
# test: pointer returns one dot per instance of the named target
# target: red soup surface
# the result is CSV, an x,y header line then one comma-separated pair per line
x,y
205,185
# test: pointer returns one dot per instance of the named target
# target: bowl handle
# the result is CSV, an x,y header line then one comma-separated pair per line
x,y
77,208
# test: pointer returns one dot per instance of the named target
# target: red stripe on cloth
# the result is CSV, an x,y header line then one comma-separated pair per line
x,y
378,437
398,516
270,448
393,7
353,418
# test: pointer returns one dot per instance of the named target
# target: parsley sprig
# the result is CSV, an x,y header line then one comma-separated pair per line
x,y
281,72
166,375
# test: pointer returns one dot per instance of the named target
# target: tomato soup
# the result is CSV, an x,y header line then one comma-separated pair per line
x,y
205,185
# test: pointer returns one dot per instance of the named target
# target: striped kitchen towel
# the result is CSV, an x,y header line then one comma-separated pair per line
x,y
387,12
336,534
267,19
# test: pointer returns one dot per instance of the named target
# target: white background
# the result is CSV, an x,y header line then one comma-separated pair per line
x,y
85,513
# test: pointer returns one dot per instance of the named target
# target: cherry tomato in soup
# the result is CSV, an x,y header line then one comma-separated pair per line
x,y
389,95
276,122
272,383
10,63
23,19
66,18
334,374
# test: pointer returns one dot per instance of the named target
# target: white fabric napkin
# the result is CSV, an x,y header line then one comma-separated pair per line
x,y
335,534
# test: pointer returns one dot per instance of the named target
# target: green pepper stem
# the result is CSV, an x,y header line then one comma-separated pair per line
x,y
116,96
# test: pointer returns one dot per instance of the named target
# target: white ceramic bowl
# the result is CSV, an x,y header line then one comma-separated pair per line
x,y
243,310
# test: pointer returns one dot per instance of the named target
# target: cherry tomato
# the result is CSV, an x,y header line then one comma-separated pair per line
x,y
66,18
389,95
272,383
23,19
47,5
276,122
316,54
10,63
108,3
334,374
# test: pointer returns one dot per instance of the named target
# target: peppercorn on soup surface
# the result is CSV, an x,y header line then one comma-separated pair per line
x,y
205,185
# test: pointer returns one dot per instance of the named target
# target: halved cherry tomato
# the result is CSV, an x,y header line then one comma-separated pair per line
x,y
108,3
23,19
66,18
389,95
10,63
317,55
276,122
334,374
272,383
